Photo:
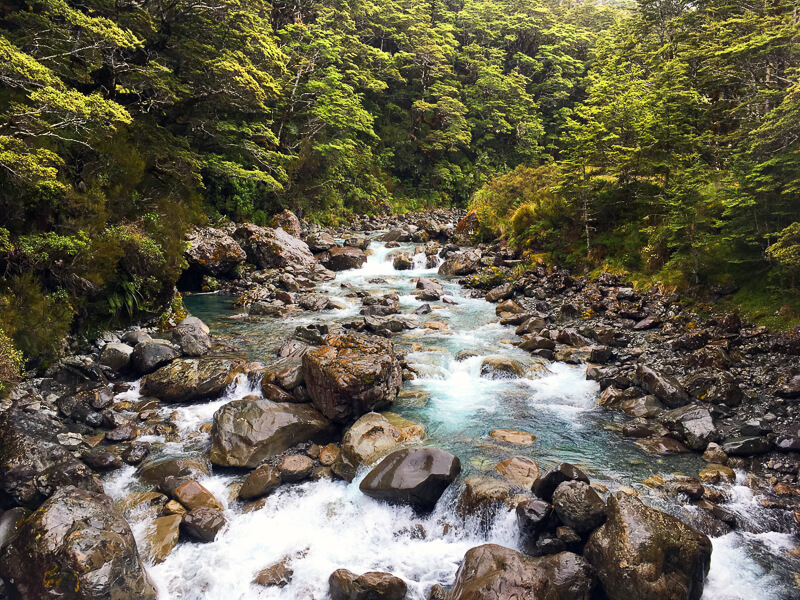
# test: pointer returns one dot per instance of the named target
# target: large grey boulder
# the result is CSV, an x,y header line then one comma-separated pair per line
x,y
269,248
247,431
342,259
462,263
665,387
148,355
116,356
76,546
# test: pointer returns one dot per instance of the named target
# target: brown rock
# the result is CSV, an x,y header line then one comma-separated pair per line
x,y
193,495
296,467
518,438
346,585
519,470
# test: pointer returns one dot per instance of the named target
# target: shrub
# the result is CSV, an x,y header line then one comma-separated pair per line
x,y
11,364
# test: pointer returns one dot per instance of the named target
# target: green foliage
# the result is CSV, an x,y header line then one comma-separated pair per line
x,y
786,254
12,364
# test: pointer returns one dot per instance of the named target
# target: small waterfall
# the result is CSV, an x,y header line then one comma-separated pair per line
x,y
419,261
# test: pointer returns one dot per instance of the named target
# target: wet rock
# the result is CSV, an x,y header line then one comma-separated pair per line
x,y
463,263
665,387
276,575
329,455
136,453
534,517
100,460
192,336
10,523
123,433
430,289
272,392
693,423
499,367
116,356
162,537
342,259
269,248
247,431
193,495
167,474
203,523
295,467
518,438
213,252
546,485
662,445
482,496
790,390
417,476
579,507
746,446
714,454
149,355
644,553
76,546
261,482
533,342
186,380
498,573
33,464
519,470
287,221
346,585
350,375
370,438
714,473
401,260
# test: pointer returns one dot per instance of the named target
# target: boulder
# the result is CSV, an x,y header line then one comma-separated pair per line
x,y
116,356
665,387
579,507
462,263
546,485
502,292
350,375
535,516
168,474
162,537
76,546
260,482
492,572
746,445
189,379
509,308
247,431
192,335
193,495
269,248
346,585
33,464
342,259
662,445
370,438
430,289
646,554
278,574
149,355
482,497
295,467
287,221
693,423
519,470
320,241
213,252
203,523
417,476
499,367
510,436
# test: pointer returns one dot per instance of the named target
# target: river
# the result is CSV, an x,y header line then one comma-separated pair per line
x,y
325,525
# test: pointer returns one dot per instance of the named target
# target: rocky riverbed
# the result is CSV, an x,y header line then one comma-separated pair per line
x,y
388,411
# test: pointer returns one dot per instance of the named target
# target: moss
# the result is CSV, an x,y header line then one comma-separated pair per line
x,y
174,314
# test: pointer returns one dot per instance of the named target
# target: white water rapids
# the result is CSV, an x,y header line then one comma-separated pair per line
x,y
324,525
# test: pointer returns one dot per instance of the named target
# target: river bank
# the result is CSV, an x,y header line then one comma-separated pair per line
x,y
499,367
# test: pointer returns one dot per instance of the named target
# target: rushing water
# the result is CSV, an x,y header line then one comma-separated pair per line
x,y
325,525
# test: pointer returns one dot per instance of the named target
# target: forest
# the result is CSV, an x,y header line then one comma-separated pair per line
x,y
659,138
